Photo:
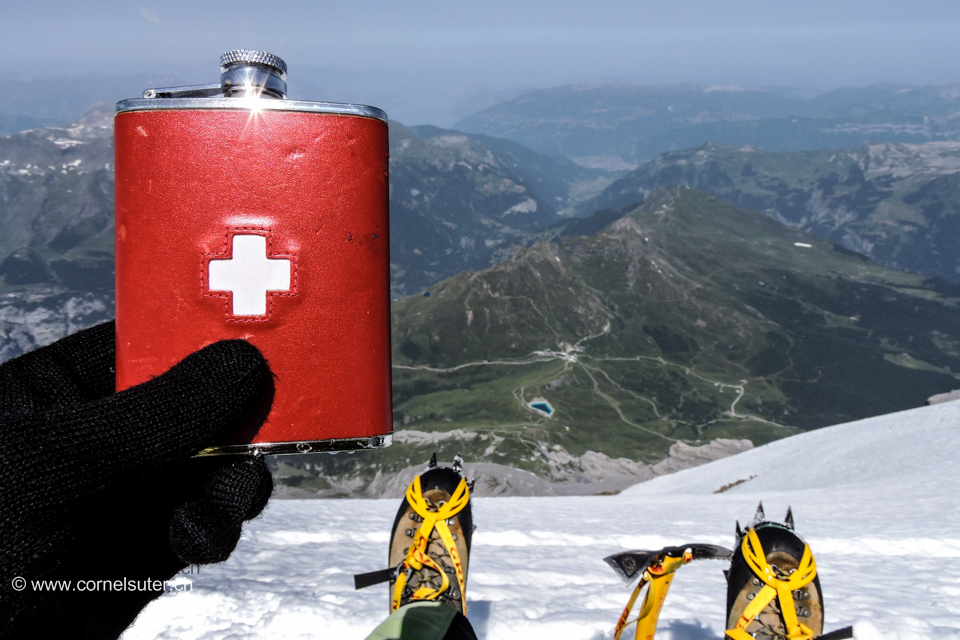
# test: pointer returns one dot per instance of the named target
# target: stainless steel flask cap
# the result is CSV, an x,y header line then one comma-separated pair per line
x,y
246,76
251,73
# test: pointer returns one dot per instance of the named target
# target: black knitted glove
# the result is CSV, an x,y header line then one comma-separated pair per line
x,y
97,485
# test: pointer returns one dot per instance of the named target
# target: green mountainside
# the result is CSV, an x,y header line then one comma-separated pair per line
x,y
898,204
686,319
602,123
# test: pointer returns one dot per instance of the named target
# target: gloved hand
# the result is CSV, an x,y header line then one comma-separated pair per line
x,y
97,485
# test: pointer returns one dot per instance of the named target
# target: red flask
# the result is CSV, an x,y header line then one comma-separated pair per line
x,y
240,214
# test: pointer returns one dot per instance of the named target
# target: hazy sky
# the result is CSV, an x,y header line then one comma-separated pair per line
x,y
431,61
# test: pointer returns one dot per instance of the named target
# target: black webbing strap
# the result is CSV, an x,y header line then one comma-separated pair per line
x,y
364,580
839,634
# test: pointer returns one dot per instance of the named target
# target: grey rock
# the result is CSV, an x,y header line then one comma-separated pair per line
x,y
34,319
944,397
590,474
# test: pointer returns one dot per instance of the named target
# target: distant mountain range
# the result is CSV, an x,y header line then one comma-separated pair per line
x,y
458,203
466,201
56,210
56,232
599,124
898,204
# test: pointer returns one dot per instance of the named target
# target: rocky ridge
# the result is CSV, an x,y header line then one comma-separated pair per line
x,y
589,474
897,204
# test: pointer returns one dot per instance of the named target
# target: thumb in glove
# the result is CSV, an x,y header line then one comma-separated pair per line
x,y
101,485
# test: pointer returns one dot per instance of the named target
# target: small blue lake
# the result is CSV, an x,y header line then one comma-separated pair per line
x,y
541,405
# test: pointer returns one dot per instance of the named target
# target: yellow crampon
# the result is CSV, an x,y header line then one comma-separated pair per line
x,y
774,587
417,557
658,575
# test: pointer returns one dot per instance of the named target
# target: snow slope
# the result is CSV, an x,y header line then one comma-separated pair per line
x,y
876,499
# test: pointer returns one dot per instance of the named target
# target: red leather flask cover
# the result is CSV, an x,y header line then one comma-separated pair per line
x,y
268,226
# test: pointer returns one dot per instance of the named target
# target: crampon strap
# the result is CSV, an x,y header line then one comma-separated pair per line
x,y
417,557
774,587
658,575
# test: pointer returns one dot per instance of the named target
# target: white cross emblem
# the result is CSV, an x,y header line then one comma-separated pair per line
x,y
249,275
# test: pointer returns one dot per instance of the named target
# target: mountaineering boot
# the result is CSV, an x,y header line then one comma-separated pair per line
x,y
430,545
429,556
773,591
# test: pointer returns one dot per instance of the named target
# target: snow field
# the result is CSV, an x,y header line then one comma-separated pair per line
x,y
876,499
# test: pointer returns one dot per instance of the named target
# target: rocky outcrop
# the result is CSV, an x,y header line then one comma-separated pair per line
x,y
34,319
944,397
893,203
592,473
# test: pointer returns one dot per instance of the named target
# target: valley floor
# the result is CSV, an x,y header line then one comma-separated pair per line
x,y
876,499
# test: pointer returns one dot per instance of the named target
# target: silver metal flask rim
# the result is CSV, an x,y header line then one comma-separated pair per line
x,y
250,80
